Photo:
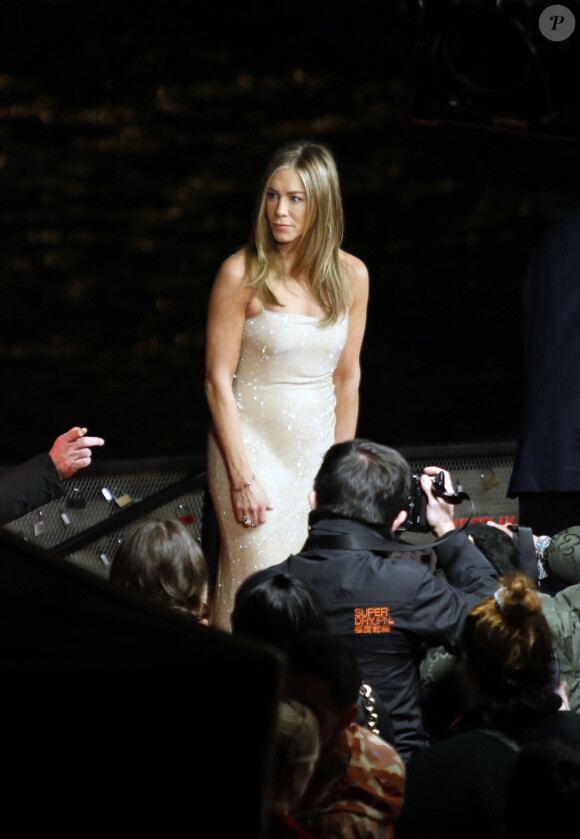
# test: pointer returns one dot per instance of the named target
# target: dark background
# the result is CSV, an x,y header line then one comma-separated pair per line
x,y
133,137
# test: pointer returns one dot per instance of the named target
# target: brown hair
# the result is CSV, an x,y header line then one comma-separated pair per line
x,y
507,641
162,561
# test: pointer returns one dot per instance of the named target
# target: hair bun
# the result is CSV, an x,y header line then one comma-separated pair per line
x,y
517,598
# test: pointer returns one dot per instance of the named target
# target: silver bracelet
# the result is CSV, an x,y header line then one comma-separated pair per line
x,y
247,484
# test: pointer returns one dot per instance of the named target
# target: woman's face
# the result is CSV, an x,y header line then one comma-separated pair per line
x,y
286,207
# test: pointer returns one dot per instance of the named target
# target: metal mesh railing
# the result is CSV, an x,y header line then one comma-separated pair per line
x,y
87,524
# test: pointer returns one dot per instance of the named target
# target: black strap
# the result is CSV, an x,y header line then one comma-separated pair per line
x,y
376,545
503,738
345,542
524,539
382,545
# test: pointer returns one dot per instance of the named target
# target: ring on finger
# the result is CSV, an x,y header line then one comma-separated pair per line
x,y
245,520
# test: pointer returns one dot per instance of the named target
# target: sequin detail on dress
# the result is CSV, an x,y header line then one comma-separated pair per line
x,y
285,395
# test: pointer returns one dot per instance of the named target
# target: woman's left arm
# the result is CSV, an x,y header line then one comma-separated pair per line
x,y
347,374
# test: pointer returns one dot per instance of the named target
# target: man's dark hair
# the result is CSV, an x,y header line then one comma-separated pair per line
x,y
497,547
332,660
362,481
277,610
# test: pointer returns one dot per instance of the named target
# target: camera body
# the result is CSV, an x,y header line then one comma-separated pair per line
x,y
416,520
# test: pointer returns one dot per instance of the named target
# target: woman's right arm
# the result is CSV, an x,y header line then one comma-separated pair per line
x,y
226,315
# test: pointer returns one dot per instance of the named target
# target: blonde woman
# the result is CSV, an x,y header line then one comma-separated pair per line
x,y
285,326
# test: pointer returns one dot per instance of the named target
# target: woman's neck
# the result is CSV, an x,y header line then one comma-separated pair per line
x,y
289,254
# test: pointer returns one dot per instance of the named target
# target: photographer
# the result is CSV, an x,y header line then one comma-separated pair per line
x,y
386,608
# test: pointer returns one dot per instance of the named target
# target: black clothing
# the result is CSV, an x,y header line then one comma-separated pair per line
x,y
548,455
27,486
457,787
388,608
548,513
72,643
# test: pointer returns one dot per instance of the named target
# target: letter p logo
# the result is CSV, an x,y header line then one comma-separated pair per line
x,y
556,23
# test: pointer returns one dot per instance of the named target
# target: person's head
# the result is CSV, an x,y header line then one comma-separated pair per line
x,y
507,645
303,178
324,675
297,746
363,481
277,610
497,547
314,174
164,563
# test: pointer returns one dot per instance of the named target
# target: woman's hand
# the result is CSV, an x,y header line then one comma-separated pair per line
x,y
251,504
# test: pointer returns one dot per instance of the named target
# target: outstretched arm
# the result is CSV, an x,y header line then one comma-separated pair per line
x,y
38,480
465,567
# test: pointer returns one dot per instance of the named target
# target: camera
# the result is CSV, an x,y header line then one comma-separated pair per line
x,y
416,520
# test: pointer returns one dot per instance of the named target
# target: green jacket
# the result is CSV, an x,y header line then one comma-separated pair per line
x,y
563,615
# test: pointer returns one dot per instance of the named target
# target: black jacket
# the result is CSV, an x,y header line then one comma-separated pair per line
x,y
457,788
27,486
389,608
548,455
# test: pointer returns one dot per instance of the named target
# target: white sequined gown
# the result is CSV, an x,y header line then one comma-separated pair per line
x,y
285,395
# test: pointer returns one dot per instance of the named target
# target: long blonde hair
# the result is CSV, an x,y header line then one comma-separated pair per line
x,y
319,252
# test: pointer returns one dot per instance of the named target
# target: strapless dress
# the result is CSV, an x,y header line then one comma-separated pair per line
x,y
284,392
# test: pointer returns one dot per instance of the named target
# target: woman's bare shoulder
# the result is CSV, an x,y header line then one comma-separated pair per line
x,y
232,271
356,269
